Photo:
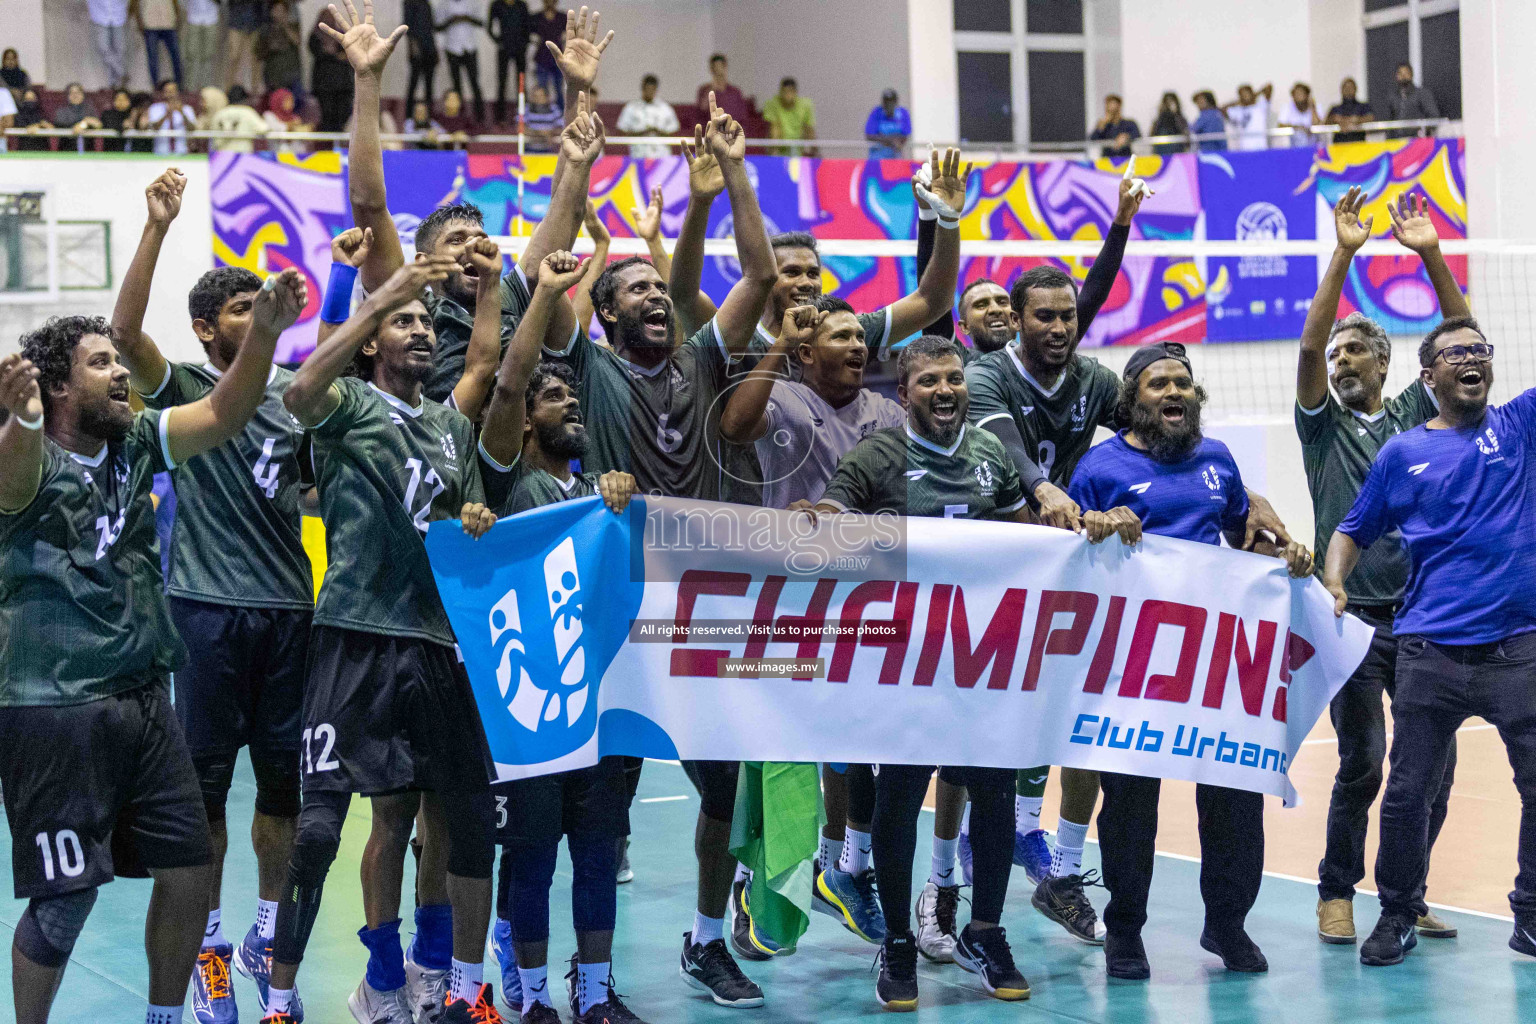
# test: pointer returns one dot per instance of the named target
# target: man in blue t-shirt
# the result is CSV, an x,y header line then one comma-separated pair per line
x,y
1163,476
888,128
1463,496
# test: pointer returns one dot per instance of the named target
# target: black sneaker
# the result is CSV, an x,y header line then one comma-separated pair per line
x,y
985,953
741,925
1064,901
1389,942
1524,938
1126,958
1237,951
896,988
540,1013
482,1011
709,967
611,1010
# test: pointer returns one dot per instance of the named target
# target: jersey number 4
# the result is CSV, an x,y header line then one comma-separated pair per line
x,y
265,471
419,516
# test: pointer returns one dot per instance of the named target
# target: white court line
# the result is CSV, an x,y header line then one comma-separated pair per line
x,y
662,799
1335,739
662,760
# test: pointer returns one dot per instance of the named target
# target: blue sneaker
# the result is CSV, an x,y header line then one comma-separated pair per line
x,y
965,855
253,958
501,950
1032,852
213,998
854,897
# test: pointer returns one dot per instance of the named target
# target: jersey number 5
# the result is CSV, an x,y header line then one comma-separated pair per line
x,y
419,516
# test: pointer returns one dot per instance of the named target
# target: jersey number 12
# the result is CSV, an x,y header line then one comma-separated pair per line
x,y
419,516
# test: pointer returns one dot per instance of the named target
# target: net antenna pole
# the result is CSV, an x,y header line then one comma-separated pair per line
x,y
522,168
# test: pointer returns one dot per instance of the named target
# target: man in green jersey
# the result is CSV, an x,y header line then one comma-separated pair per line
x,y
239,587
94,765
1341,431
936,465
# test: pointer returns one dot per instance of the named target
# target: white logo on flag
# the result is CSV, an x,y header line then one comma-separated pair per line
x,y
530,704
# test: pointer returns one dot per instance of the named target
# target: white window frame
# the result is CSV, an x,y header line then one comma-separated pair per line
x,y
1017,43
1413,12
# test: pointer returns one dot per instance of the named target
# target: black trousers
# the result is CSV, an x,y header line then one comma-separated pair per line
x,y
1231,850
461,65
1361,727
504,58
899,792
335,109
1438,688
424,72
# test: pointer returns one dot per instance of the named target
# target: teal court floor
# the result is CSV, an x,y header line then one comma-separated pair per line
x,y
1475,977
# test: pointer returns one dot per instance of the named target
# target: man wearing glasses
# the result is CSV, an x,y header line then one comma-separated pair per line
x,y
1462,492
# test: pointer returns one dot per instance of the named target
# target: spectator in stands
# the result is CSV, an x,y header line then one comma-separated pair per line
x,y
1116,129
29,114
244,20
1300,112
138,120
456,123
648,116
330,76
277,47
200,43
548,27
282,116
211,99
791,116
510,24
1209,122
109,30
461,42
420,49
157,21
1170,121
117,116
1410,103
7,114
421,122
237,116
1249,114
887,128
172,116
1349,113
542,123
11,72
77,113
727,97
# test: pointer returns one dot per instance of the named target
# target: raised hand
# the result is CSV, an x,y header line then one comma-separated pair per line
x,y
705,179
163,196
800,323
561,271
948,182
596,230
279,301
648,219
476,519
724,137
1132,191
583,49
483,256
406,283
1346,219
366,50
20,394
351,246
581,141
1411,224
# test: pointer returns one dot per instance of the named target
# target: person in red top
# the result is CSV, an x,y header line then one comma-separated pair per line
x,y
727,97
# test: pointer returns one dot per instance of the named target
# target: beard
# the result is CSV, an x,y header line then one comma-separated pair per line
x,y
629,332
1167,442
560,439
942,434
106,420
460,289
990,340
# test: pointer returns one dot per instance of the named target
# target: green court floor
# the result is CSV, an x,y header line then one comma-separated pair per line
x,y
1475,977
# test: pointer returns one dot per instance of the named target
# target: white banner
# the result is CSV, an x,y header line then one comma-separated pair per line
x,y
719,632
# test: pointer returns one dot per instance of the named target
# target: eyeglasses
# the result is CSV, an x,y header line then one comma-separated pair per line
x,y
1455,355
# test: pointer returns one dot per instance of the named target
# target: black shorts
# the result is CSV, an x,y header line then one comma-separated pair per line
x,y
584,801
243,684
99,790
383,714
716,783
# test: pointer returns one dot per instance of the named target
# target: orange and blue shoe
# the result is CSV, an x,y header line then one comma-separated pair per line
x,y
213,997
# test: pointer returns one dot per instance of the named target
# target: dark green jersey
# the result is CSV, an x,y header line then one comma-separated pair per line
x,y
236,538
534,488
82,609
659,424
897,470
452,324
386,471
1057,423
1337,449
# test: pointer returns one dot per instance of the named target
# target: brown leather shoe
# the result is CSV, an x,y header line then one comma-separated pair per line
x,y
1336,922
1433,926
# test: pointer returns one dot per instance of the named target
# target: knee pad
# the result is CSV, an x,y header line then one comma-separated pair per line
x,y
215,773
594,890
277,782
50,925
470,819
319,838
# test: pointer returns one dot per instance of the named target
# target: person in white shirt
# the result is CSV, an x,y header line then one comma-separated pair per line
x,y
460,26
7,113
648,116
1300,112
1249,116
200,43
171,116
109,29
237,116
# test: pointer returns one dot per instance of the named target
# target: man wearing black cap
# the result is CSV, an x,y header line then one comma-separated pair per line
x,y
1178,483
888,128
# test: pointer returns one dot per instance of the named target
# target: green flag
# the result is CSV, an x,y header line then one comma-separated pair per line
x,y
775,831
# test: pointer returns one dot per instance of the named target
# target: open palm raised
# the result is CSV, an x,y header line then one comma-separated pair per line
x,y
366,50
1346,219
583,49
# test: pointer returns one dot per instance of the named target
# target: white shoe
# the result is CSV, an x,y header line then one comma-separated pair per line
x,y
426,991
370,1006
936,922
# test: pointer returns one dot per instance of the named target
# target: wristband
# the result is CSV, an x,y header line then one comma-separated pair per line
x,y
338,294
36,424
924,212
951,224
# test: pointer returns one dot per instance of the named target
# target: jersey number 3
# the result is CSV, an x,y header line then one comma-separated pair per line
x,y
419,516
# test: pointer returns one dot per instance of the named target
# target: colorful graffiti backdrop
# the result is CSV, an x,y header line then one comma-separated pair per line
x,y
274,213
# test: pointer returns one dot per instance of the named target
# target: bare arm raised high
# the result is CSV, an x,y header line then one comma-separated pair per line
x,y
737,318
146,366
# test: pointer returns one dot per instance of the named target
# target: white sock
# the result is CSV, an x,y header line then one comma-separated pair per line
x,y
942,873
707,929
1026,813
1068,858
965,819
827,852
743,873
279,1000
535,986
855,858
591,985
213,935
266,918
464,981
